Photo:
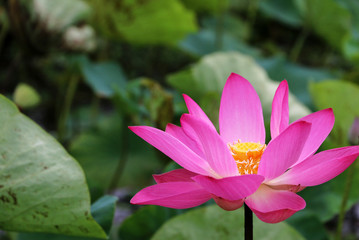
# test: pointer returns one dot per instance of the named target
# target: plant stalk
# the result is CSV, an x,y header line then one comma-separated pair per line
x,y
251,15
66,107
345,198
294,54
123,157
248,223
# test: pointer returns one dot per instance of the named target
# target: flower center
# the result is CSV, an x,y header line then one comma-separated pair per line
x,y
247,156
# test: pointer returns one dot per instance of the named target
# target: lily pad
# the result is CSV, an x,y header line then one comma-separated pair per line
x,y
42,188
102,210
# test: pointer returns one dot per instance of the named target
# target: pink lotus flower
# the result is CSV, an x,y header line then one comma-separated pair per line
x,y
236,166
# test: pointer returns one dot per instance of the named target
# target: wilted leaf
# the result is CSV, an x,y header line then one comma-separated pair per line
x,y
42,188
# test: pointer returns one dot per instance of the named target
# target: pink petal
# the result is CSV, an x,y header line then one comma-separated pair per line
x,y
178,133
322,123
319,168
280,110
173,148
275,216
240,114
226,204
178,175
177,195
216,151
283,151
196,110
231,188
274,206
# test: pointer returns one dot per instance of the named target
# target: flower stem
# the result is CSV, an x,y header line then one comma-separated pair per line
x,y
123,158
251,15
299,44
219,32
66,107
348,185
248,223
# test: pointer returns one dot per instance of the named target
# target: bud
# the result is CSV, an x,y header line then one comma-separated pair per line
x,y
57,15
26,96
354,132
80,38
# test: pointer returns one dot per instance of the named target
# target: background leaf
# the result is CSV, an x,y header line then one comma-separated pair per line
x,y
145,22
298,77
104,77
103,144
144,222
343,97
282,10
319,15
213,222
208,76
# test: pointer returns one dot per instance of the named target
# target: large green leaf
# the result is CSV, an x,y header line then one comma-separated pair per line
x,y
102,210
42,188
209,75
213,222
144,22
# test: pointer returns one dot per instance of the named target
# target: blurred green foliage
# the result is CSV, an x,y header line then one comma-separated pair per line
x,y
199,224
85,70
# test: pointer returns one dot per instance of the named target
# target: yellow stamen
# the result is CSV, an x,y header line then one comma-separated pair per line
x,y
247,156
